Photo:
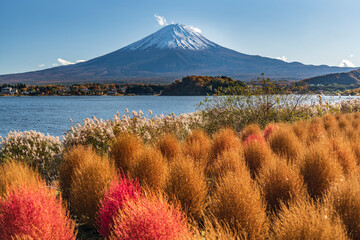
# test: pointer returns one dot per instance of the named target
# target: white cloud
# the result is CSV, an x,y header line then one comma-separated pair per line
x,y
351,55
161,20
346,63
79,61
64,62
195,29
55,64
42,65
283,58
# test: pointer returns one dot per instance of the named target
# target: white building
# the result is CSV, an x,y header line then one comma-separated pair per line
x,y
6,90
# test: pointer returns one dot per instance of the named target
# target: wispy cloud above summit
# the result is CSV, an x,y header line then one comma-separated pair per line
x,y
161,20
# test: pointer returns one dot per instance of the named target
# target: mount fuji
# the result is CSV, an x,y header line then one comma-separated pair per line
x,y
170,53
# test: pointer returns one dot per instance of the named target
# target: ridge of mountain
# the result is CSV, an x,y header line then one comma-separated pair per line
x,y
345,78
174,36
171,53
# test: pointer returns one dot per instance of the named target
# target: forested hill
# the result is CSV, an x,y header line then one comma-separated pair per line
x,y
348,78
201,85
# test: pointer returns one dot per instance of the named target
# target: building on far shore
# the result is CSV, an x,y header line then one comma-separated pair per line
x,y
9,90
6,90
112,92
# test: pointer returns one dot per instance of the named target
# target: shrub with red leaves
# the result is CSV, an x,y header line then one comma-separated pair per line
x,y
115,197
254,138
148,219
36,213
268,130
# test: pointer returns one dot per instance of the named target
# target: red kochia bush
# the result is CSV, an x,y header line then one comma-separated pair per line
x,y
254,138
268,130
36,213
114,199
150,218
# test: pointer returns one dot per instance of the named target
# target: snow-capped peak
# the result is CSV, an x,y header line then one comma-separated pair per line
x,y
174,36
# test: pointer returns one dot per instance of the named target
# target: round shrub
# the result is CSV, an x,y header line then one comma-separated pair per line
x,y
226,162
14,174
225,140
125,150
187,184
320,169
305,220
345,199
280,182
36,149
237,203
114,199
251,129
268,130
34,213
151,169
197,145
214,230
254,138
343,122
257,154
355,147
71,160
91,178
285,143
150,218
169,146
344,154
315,131
300,129
330,124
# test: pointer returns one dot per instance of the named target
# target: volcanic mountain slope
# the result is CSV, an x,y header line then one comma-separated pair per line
x,y
347,78
168,54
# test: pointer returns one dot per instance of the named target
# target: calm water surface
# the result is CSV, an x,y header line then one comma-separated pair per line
x,y
51,114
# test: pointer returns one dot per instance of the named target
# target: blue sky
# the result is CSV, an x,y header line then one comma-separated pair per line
x,y
38,34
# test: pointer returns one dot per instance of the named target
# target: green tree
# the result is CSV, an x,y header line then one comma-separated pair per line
x,y
263,101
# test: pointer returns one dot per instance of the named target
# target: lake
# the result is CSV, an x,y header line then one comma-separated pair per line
x,y
51,114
